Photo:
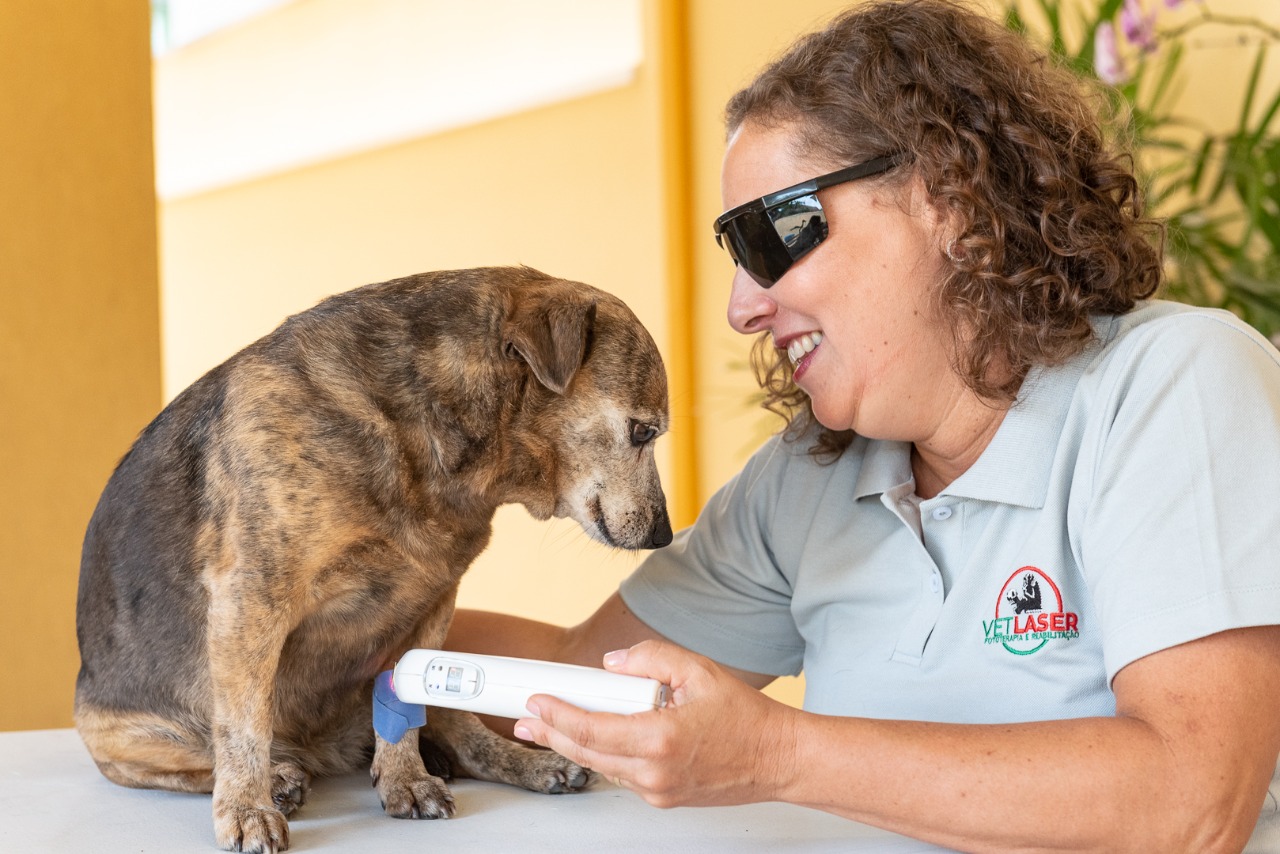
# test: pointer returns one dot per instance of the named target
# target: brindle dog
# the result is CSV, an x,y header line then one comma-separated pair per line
x,y
300,516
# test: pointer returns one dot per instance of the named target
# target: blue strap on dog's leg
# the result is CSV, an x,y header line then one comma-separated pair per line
x,y
392,718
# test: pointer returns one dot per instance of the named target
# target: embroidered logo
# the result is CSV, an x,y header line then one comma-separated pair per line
x,y
1030,613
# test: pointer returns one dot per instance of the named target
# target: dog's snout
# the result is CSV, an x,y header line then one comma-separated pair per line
x,y
661,534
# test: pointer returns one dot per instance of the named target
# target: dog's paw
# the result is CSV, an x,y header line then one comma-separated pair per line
x,y
424,797
289,786
251,829
552,774
567,777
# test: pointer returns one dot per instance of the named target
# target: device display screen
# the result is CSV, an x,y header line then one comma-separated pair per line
x,y
453,682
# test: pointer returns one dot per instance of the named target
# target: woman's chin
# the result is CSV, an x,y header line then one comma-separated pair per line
x,y
833,420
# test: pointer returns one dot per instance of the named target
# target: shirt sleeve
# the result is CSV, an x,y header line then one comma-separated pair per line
x,y
1182,527
718,588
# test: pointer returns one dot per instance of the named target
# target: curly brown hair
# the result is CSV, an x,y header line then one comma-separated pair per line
x,y
1049,218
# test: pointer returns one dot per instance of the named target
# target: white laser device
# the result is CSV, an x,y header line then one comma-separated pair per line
x,y
497,685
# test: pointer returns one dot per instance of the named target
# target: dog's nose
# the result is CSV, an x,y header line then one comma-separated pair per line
x,y
661,534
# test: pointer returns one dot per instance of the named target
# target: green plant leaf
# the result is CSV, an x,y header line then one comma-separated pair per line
x,y
1199,164
1168,71
1264,122
1250,92
1013,19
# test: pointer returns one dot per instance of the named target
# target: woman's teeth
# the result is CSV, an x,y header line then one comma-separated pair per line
x,y
798,347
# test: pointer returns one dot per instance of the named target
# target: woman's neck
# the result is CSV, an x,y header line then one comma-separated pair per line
x,y
962,435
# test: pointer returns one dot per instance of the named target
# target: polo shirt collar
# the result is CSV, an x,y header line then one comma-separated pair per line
x,y
884,465
1016,467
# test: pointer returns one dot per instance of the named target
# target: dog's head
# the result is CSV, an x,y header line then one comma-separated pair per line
x,y
594,402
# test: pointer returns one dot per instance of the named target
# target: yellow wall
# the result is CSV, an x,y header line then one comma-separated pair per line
x,y
79,325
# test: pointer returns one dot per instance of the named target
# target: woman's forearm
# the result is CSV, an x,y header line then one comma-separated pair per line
x,y
1183,766
1079,785
489,633
612,626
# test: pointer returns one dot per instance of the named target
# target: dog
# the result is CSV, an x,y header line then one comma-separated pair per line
x,y
300,517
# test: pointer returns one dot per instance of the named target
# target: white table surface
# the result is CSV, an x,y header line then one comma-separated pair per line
x,y
52,799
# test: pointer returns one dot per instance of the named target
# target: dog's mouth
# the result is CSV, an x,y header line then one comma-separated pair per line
x,y
596,511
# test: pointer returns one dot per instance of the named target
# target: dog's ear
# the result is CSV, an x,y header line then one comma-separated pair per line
x,y
552,335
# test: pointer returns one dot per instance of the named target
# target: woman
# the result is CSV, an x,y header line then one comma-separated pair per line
x,y
1021,531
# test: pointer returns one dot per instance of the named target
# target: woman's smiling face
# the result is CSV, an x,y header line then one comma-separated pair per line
x,y
855,313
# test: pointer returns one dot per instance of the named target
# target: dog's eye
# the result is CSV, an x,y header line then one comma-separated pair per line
x,y
642,433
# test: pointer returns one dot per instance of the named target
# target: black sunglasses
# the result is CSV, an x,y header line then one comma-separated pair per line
x,y
767,235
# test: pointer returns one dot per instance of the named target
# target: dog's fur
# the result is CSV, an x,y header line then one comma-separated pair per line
x,y
301,516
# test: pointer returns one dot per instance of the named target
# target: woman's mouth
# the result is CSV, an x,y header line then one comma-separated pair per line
x,y
800,352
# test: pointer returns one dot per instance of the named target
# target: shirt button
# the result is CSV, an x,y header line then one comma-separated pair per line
x,y
935,583
941,514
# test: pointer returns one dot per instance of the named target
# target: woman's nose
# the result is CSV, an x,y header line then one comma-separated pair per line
x,y
751,309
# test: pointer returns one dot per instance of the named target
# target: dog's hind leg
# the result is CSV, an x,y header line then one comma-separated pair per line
x,y
290,784
146,751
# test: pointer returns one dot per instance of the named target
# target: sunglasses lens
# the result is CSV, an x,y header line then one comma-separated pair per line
x,y
765,243
754,246
801,224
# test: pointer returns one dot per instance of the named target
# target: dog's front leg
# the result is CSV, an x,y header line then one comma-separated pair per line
x,y
244,643
406,788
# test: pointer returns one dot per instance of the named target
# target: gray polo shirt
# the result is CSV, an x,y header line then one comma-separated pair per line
x,y
1129,502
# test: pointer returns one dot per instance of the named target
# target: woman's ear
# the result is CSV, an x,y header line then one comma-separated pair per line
x,y
941,219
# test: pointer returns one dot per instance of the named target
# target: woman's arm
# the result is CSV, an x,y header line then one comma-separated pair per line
x,y
612,626
1183,766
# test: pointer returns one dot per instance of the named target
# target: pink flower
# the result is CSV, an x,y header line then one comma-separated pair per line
x,y
1139,27
1106,58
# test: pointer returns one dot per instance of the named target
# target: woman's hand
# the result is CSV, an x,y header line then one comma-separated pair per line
x,y
717,741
